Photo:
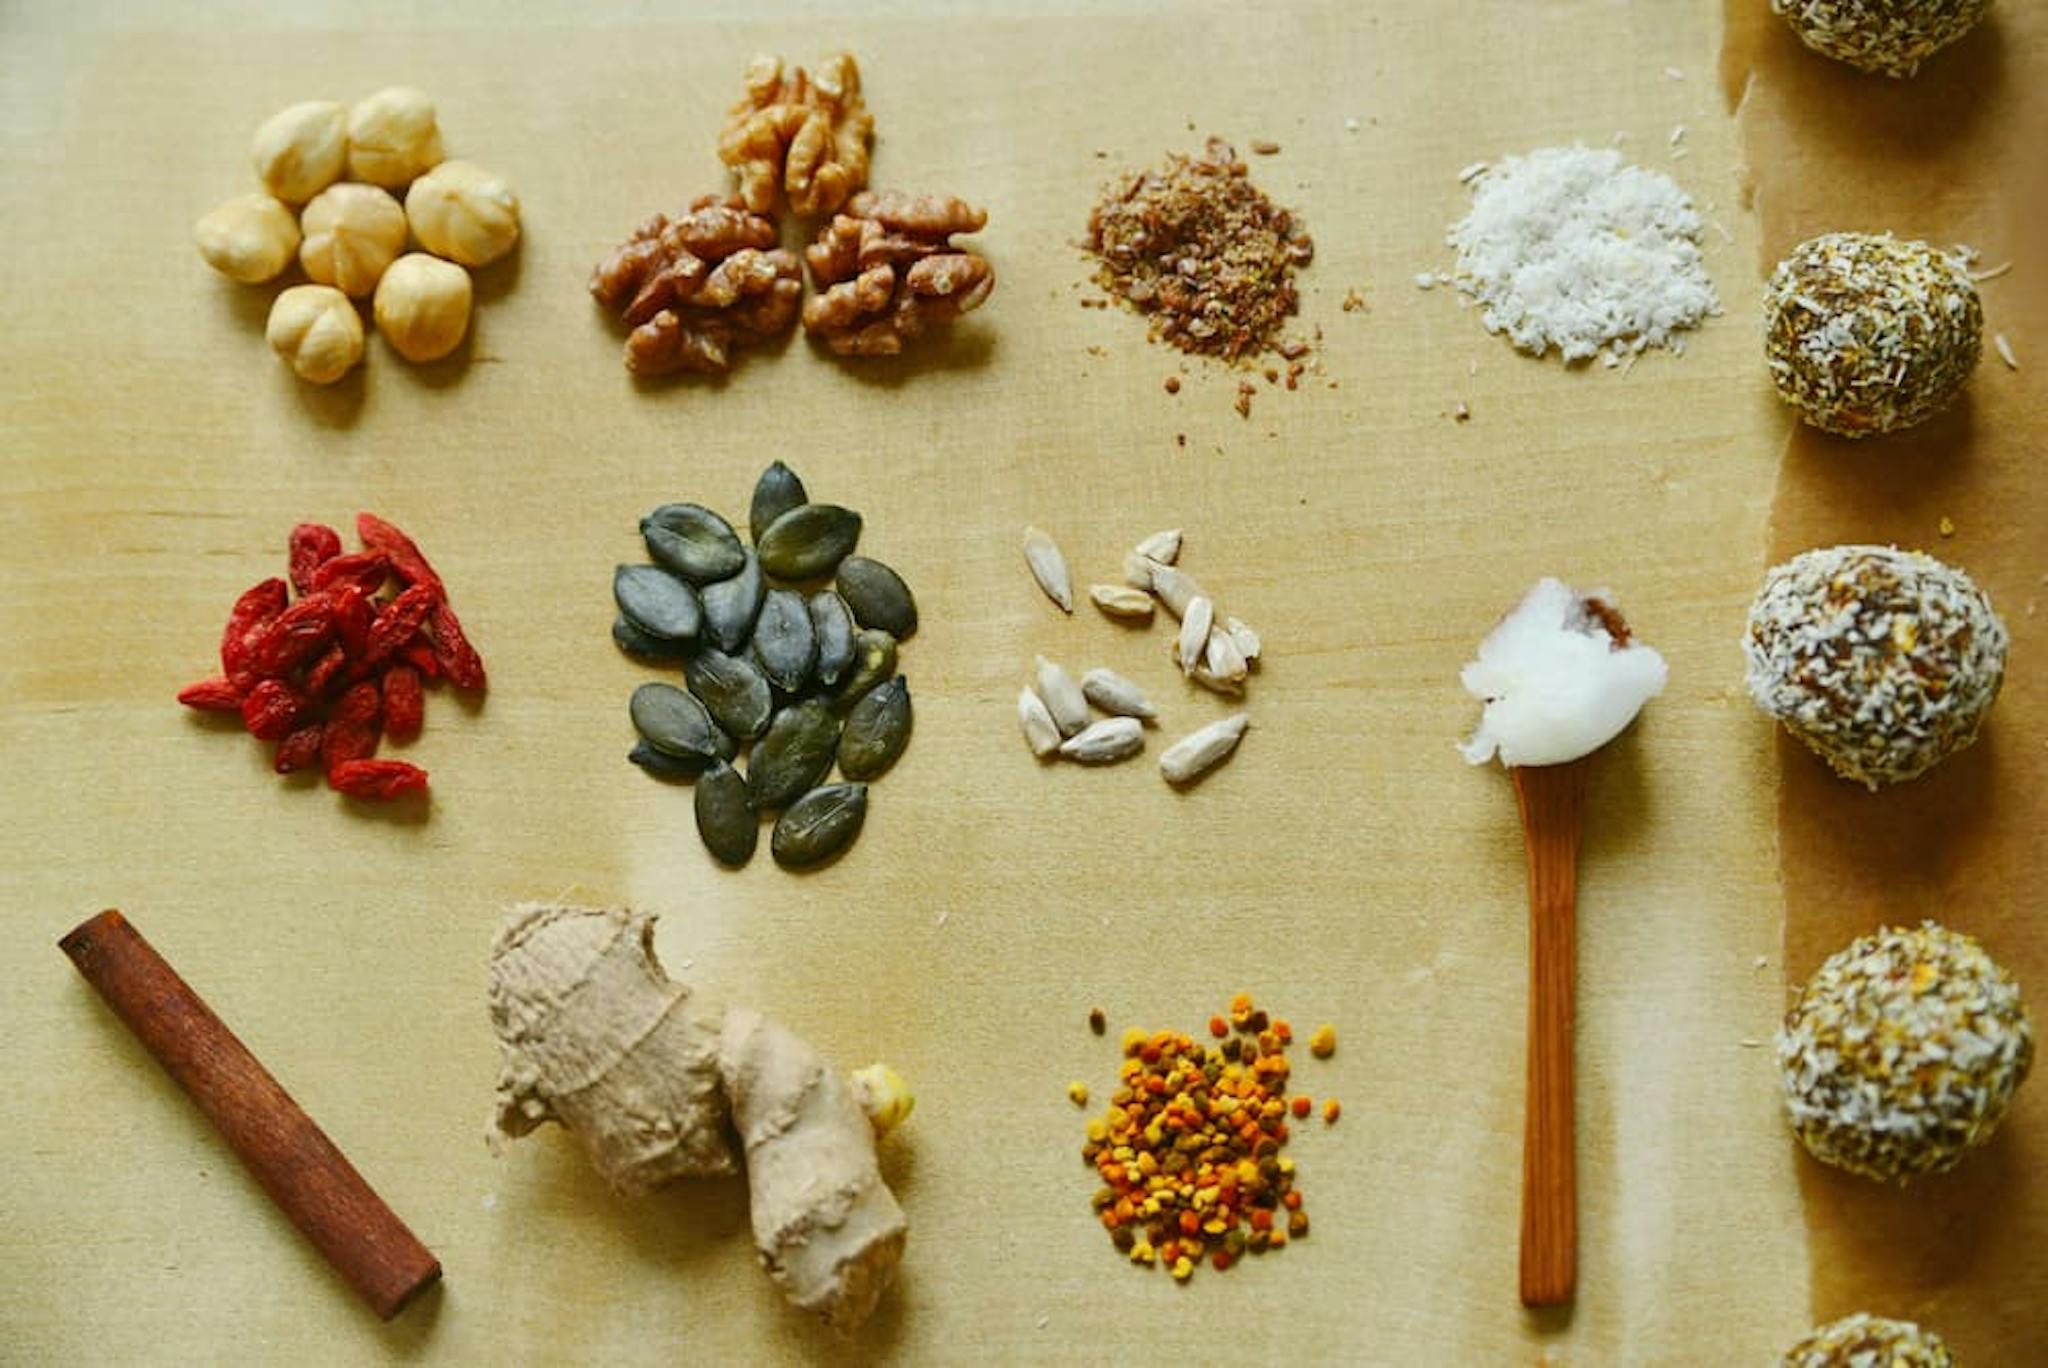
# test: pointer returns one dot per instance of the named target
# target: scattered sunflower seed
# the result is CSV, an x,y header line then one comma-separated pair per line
x,y
1209,679
792,755
1248,644
1194,632
785,646
1138,571
1175,587
656,602
775,493
1163,547
1041,733
1049,568
876,731
633,641
662,765
1112,693
730,828
877,597
1222,657
832,622
819,825
675,723
808,541
732,604
1062,697
692,541
1105,742
1122,601
1201,750
874,660
732,690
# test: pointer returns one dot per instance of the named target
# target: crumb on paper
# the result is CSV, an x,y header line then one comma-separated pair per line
x,y
1172,384
1424,280
1461,412
1353,301
1351,125
1673,74
940,920
1947,526
1761,962
1472,173
1265,147
1678,135
2005,351
1243,402
490,1201
1751,1043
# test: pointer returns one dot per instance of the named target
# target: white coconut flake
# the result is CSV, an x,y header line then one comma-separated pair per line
x,y
1472,173
1555,685
1425,281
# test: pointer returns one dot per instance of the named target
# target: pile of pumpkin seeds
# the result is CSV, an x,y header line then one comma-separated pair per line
x,y
774,658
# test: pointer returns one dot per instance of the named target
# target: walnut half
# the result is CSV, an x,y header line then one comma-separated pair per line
x,y
693,288
885,271
799,134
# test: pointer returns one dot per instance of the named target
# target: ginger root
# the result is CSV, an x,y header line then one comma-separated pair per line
x,y
599,1039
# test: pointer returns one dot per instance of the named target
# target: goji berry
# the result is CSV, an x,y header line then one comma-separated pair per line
x,y
271,709
310,546
360,704
376,780
353,614
406,560
326,674
458,659
292,637
254,611
352,726
398,622
300,749
419,654
367,570
212,695
405,704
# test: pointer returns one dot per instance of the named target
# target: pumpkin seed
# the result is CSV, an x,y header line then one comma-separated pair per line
x,y
775,493
662,765
1112,693
1062,697
729,827
1201,750
674,722
1105,742
874,660
732,604
633,641
807,541
692,541
819,825
1041,733
878,597
876,731
732,690
657,602
832,622
792,756
1122,602
1049,568
785,645
1163,547
1194,632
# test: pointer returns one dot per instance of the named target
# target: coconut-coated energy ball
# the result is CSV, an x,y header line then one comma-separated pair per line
x,y
1903,1052
1890,37
1881,661
1866,334
1867,1341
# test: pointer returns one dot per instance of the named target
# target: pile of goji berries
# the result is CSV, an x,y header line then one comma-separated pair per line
x,y
325,676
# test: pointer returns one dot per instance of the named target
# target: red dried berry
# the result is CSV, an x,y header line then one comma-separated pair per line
x,y
399,621
253,612
377,780
212,695
272,709
310,546
458,659
406,560
361,704
293,638
300,749
367,570
327,673
353,614
405,704
419,654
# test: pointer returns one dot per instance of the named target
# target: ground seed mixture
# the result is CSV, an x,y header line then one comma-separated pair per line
x,y
1867,1339
1567,247
1202,250
1889,37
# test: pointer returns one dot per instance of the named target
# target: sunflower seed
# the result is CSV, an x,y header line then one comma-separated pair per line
x,y
1194,632
1163,547
1041,733
832,623
657,602
1122,602
874,660
775,493
692,541
633,641
1105,742
677,724
1195,754
792,756
1138,571
1222,656
877,597
785,646
1062,697
1112,693
729,827
662,765
876,731
732,604
807,541
819,825
732,690
1209,679
1248,644
1176,588
1049,568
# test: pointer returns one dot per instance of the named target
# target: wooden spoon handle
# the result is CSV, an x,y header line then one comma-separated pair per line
x,y
1552,799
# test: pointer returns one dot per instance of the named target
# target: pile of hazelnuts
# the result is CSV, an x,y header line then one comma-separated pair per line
x,y
346,168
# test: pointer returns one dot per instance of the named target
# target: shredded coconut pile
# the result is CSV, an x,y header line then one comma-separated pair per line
x,y
1569,248
1560,677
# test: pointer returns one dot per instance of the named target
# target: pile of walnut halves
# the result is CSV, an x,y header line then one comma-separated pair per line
x,y
695,288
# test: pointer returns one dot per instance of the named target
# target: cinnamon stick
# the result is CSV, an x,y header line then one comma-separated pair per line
x,y
290,1156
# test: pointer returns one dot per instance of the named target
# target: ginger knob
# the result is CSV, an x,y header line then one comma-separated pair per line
x,y
422,306
353,232
462,212
317,330
393,137
301,151
250,238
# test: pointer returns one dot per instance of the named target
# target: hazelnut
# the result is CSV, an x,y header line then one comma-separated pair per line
x,y
422,306
392,137
300,151
352,233
463,212
317,330
249,238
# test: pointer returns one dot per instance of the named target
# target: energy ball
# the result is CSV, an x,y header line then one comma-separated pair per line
x,y
1864,1339
1889,37
1866,334
1881,661
1903,1052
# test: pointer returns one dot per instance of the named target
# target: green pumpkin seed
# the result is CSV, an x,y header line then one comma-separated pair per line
x,y
729,827
731,605
657,602
775,493
876,731
792,756
673,722
819,825
832,622
633,641
784,643
692,541
731,690
807,541
662,765
874,660
878,596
